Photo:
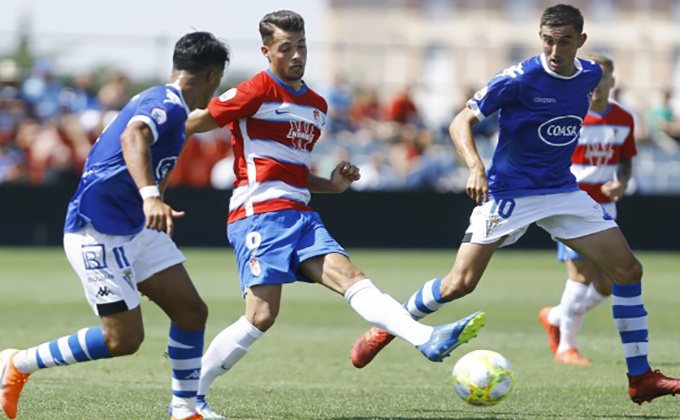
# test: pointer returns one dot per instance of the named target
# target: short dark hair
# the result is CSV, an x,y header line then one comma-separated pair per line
x,y
283,19
563,15
199,50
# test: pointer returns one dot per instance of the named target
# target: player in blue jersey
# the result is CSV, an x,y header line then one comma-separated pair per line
x,y
541,104
117,234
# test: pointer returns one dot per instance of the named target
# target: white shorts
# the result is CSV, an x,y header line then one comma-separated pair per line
x,y
111,266
563,215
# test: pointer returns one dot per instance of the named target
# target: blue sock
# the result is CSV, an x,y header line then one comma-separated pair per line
x,y
83,346
631,320
185,349
426,300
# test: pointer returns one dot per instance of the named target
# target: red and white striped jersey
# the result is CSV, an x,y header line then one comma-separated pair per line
x,y
605,140
274,129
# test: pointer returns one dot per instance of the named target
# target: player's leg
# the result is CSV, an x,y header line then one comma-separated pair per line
x,y
339,274
471,262
111,296
121,334
233,343
172,290
610,251
572,309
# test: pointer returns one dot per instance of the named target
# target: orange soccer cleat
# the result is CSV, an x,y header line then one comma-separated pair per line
x,y
11,382
194,417
369,345
650,385
552,330
571,357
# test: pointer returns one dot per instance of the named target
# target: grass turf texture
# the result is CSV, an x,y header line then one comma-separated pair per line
x,y
301,368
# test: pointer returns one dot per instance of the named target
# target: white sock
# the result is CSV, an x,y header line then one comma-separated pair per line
x,y
573,310
554,315
386,313
593,298
225,351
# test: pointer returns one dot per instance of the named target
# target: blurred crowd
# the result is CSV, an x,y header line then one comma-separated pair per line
x,y
48,125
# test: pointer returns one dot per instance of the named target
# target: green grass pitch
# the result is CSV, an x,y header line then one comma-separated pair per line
x,y
301,368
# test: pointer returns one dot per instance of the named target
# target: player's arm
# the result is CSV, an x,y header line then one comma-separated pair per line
x,y
464,142
136,144
200,121
341,178
617,188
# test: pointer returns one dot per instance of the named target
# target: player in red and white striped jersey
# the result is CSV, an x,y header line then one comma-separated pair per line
x,y
275,120
602,164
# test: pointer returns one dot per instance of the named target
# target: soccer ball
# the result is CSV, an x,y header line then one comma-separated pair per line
x,y
482,377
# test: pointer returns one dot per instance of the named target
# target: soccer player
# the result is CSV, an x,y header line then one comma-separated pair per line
x,y
602,164
542,103
276,119
117,235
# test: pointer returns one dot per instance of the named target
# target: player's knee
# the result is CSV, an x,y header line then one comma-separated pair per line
x,y
196,315
456,286
264,318
124,344
628,272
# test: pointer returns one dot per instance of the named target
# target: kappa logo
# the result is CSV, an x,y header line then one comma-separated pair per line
x,y
104,291
540,100
194,375
302,134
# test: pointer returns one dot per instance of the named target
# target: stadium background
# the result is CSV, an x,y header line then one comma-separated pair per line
x,y
392,88
411,198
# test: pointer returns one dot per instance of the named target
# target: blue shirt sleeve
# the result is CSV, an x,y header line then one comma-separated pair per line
x,y
160,111
502,90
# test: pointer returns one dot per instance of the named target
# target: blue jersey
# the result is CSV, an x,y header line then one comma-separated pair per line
x,y
107,197
540,117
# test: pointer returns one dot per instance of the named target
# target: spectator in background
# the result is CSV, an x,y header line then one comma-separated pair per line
x,y
42,91
115,94
402,109
664,126
84,96
366,109
339,106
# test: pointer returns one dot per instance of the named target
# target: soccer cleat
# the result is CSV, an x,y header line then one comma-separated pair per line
x,y
194,417
11,382
446,338
650,385
571,357
206,411
369,345
552,330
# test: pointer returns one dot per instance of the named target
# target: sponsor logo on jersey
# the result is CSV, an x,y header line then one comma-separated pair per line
x,y
481,93
560,131
301,133
159,115
99,276
230,94
281,111
164,166
104,291
540,100
599,154
94,256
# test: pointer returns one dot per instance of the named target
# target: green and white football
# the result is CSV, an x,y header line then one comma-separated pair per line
x,y
482,378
